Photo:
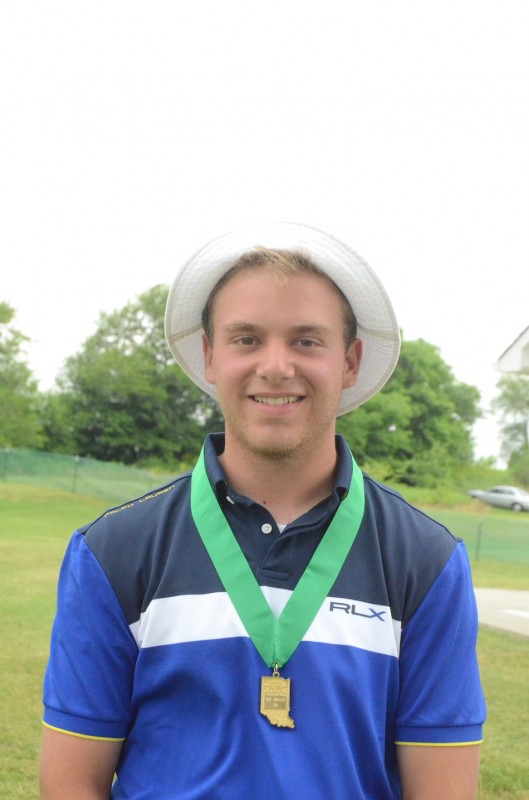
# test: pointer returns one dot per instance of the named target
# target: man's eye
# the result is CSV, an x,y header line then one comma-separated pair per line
x,y
247,340
306,342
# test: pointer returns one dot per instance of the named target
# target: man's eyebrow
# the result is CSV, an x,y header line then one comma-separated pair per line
x,y
238,326
316,329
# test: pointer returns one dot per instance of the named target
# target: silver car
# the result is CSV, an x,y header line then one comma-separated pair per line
x,y
504,497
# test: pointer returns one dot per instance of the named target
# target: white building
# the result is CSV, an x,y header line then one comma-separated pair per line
x,y
516,358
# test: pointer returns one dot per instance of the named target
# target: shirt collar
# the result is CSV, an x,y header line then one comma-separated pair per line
x,y
214,447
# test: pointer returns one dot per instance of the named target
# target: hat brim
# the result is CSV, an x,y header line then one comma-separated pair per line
x,y
377,324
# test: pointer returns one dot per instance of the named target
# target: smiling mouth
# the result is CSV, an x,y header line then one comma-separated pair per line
x,y
277,401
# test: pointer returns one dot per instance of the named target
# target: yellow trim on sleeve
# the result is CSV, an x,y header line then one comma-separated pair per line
x,y
83,735
438,744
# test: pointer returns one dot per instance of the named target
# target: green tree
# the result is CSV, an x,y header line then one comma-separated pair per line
x,y
512,408
19,416
418,429
122,398
57,424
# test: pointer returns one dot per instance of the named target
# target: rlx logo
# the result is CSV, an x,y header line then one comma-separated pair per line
x,y
350,608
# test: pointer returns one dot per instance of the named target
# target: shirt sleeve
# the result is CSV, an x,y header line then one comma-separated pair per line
x,y
441,701
88,681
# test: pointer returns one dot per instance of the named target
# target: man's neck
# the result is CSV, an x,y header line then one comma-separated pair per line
x,y
287,487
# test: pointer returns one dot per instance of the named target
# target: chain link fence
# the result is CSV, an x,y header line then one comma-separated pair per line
x,y
495,535
113,482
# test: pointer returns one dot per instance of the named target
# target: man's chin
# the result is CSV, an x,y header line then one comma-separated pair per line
x,y
276,453
270,448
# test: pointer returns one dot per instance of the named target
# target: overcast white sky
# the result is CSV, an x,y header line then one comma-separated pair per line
x,y
133,132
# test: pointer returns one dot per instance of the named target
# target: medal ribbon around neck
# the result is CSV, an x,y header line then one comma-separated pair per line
x,y
275,639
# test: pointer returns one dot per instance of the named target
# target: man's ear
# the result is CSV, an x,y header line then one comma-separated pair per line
x,y
207,349
352,361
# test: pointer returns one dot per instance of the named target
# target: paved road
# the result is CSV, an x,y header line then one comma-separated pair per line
x,y
505,609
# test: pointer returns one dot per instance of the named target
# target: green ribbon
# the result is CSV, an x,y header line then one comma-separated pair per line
x,y
275,639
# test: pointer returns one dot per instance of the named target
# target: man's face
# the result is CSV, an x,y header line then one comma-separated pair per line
x,y
278,362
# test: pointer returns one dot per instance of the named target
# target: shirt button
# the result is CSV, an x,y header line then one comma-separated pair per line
x,y
266,528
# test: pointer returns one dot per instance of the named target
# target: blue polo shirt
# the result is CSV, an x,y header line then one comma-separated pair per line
x,y
148,648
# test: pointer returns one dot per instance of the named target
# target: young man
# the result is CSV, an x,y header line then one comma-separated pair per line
x,y
274,624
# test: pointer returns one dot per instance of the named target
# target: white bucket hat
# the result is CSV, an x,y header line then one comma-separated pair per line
x,y
377,325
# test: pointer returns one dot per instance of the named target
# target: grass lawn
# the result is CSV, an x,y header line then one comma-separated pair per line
x,y
35,526
504,664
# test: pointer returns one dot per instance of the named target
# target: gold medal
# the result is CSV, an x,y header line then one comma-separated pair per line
x,y
275,700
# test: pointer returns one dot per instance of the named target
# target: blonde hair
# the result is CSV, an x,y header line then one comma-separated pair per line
x,y
279,264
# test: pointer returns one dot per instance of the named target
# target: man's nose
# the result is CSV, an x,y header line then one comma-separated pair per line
x,y
276,362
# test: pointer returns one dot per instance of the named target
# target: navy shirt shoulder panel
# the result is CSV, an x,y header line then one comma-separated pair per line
x,y
136,503
144,548
402,543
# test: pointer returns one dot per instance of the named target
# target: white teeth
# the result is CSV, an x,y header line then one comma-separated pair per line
x,y
277,401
